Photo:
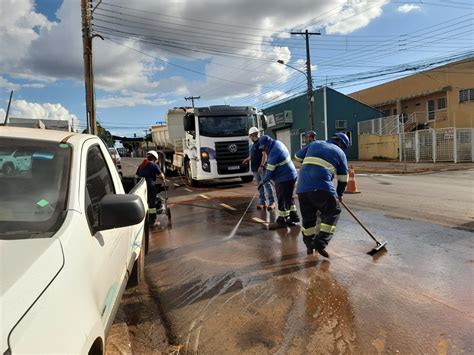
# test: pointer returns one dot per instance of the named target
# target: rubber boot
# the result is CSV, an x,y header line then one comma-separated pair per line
x,y
319,246
281,221
308,241
294,218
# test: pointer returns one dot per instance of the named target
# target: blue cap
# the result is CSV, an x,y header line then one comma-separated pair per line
x,y
343,138
263,141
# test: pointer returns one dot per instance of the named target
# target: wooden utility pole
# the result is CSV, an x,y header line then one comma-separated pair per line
x,y
88,70
192,98
307,34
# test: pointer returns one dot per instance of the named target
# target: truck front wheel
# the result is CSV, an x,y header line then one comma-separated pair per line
x,y
189,177
247,179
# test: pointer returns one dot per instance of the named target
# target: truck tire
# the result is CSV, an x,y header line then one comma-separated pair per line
x,y
247,179
189,179
8,169
137,275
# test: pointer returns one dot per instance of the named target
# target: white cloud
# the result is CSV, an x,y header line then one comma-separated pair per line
x,y
406,8
17,31
7,85
25,109
356,15
35,48
130,101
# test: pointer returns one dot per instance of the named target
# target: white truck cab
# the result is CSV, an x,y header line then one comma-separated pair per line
x,y
217,142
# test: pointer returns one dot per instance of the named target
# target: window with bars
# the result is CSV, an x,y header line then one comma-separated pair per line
x,y
442,103
466,95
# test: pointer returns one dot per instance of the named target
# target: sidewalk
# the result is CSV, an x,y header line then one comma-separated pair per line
x,y
395,167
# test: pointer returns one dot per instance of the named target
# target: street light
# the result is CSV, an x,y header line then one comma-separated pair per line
x,y
309,92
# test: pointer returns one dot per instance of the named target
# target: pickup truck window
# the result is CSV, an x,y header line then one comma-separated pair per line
x,y
34,177
98,184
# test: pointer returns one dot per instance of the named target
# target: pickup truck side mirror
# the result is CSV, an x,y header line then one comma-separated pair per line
x,y
188,122
116,211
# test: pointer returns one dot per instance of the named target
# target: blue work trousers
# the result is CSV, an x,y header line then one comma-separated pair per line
x,y
267,187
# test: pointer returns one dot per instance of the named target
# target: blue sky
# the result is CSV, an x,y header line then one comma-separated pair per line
x,y
156,53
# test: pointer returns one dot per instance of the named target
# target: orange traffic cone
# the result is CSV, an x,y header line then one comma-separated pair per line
x,y
351,183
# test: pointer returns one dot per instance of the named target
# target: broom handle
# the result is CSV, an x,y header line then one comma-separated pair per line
x,y
360,222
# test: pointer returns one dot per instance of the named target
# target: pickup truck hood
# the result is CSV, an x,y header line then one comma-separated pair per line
x,y
27,266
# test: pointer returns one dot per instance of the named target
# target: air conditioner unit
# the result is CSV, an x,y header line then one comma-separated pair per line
x,y
341,124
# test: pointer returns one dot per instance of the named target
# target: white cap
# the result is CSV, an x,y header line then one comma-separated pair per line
x,y
154,153
253,130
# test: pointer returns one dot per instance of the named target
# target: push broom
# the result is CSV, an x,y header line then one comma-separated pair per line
x,y
380,245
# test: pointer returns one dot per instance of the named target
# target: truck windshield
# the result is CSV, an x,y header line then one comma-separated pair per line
x,y
226,126
34,183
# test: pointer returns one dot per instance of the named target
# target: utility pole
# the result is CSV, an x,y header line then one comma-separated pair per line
x,y
192,98
146,138
307,34
88,71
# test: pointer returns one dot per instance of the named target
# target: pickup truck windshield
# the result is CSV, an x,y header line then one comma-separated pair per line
x,y
34,179
226,126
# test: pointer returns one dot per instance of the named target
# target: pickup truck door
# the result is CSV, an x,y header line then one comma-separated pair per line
x,y
109,248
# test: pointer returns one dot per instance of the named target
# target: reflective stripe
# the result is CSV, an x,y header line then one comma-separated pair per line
x,y
320,162
327,228
308,231
293,208
283,213
342,178
286,161
152,210
298,158
270,167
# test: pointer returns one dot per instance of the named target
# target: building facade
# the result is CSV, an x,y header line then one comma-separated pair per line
x,y
333,112
437,98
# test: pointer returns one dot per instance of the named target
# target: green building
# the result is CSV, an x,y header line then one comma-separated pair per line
x,y
333,111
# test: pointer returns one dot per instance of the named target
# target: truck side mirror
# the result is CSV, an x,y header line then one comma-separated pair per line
x,y
188,122
264,121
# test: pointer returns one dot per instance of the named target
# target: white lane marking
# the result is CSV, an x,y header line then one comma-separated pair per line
x,y
175,184
204,196
189,190
228,207
259,220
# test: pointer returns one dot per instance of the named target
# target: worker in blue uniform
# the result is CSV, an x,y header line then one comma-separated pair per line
x,y
150,170
281,170
321,162
258,161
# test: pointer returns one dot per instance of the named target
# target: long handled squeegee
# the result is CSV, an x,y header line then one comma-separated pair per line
x,y
380,245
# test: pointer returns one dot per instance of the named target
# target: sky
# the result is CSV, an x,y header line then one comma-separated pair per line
x,y
156,53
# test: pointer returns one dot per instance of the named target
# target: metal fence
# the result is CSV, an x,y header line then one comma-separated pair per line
x,y
438,145
380,126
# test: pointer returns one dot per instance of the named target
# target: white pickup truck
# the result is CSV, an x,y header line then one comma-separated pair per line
x,y
71,239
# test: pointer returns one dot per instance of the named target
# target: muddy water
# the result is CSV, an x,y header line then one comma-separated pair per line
x,y
259,293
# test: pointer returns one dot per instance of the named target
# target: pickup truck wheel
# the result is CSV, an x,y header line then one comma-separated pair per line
x,y
137,275
189,178
247,179
8,169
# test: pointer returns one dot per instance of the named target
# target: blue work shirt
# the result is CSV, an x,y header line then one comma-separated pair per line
x,y
280,167
150,172
322,161
256,156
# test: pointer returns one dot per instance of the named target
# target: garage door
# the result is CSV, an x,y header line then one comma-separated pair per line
x,y
284,136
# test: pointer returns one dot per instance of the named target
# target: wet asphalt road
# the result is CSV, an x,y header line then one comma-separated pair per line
x,y
221,289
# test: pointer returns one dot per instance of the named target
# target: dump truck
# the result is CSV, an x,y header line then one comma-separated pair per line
x,y
207,143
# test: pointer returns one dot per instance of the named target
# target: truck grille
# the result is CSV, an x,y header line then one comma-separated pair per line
x,y
229,156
